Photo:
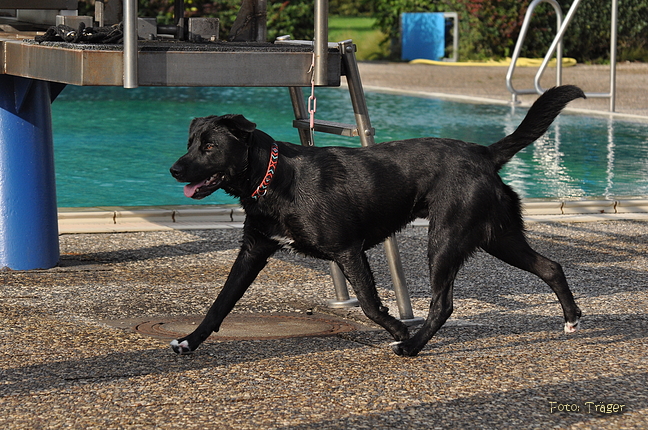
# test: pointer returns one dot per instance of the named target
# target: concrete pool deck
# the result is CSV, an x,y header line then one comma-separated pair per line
x,y
85,345
488,83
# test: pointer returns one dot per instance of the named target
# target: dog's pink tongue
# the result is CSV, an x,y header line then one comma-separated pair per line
x,y
190,189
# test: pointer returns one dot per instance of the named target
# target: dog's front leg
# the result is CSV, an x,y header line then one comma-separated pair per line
x,y
252,257
356,268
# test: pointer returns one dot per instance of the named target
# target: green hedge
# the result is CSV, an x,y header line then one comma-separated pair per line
x,y
489,28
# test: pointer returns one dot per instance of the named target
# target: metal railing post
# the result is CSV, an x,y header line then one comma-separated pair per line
x,y
262,28
613,53
398,279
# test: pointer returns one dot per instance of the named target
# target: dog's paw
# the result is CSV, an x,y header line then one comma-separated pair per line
x,y
181,347
396,347
398,330
400,348
572,327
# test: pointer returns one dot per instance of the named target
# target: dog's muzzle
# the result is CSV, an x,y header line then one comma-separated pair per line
x,y
199,189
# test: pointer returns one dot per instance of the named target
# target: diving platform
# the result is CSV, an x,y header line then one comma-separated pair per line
x,y
167,63
34,71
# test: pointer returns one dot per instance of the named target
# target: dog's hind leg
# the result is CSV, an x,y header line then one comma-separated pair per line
x,y
253,256
356,268
514,249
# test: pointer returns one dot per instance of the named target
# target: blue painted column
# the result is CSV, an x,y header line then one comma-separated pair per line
x,y
28,212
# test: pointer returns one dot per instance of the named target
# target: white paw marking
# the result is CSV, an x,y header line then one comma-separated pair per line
x,y
572,327
396,343
180,347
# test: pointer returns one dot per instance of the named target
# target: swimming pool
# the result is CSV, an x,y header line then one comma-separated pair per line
x,y
113,147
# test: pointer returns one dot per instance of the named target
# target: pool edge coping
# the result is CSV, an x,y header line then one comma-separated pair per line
x,y
140,219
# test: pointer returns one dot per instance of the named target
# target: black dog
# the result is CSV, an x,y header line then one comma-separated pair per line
x,y
335,203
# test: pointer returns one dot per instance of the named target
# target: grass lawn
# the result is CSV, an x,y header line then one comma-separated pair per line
x,y
361,31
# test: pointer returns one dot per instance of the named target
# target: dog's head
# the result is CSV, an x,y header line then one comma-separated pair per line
x,y
216,154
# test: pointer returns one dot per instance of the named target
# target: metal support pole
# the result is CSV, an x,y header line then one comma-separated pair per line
x,y
130,44
347,49
321,42
342,298
28,215
178,19
99,12
261,21
398,279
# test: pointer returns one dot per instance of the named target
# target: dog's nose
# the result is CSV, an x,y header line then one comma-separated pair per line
x,y
176,171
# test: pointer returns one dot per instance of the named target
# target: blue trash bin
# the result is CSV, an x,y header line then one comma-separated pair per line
x,y
423,36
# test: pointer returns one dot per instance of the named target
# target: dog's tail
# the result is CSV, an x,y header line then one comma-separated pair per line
x,y
535,123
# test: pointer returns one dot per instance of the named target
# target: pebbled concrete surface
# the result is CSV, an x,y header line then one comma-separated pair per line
x,y
490,82
502,362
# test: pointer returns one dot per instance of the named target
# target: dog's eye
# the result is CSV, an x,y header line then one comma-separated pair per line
x,y
209,146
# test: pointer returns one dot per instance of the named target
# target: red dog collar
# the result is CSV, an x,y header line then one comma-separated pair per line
x,y
262,189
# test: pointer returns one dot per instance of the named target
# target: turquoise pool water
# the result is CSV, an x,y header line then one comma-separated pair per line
x,y
113,147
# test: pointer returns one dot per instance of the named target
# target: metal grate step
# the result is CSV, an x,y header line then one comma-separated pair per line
x,y
350,130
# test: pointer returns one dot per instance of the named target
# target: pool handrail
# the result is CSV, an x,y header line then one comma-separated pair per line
x,y
556,46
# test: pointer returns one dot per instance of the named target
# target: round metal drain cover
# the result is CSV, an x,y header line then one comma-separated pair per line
x,y
248,326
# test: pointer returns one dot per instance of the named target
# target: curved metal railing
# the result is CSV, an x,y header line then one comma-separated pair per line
x,y
556,47
520,43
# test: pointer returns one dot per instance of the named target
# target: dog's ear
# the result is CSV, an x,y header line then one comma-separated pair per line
x,y
199,122
238,122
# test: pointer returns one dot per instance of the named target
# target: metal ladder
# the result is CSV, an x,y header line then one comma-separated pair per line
x,y
556,47
365,132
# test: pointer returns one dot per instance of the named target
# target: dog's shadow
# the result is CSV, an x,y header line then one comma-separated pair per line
x,y
481,340
143,247
155,361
